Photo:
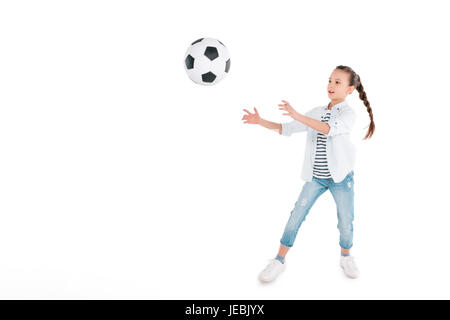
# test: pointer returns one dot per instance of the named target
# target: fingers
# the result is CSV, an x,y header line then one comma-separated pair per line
x,y
247,111
286,104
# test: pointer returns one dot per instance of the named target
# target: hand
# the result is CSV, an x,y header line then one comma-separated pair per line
x,y
290,111
252,118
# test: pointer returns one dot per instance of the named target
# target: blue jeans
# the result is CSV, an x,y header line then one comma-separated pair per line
x,y
343,196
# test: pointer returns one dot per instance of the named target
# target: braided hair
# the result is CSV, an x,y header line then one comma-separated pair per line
x,y
356,81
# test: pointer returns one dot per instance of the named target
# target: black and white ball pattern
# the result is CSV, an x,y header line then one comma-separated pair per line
x,y
207,61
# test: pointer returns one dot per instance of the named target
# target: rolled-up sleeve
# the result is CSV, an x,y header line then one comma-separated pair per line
x,y
289,128
343,123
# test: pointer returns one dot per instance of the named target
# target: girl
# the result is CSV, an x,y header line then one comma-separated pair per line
x,y
328,163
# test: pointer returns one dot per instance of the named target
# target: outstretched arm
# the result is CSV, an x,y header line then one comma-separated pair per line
x,y
310,122
270,125
313,123
254,118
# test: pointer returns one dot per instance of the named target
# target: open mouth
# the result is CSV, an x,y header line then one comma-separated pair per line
x,y
330,92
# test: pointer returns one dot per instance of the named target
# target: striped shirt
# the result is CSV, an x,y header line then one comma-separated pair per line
x,y
320,168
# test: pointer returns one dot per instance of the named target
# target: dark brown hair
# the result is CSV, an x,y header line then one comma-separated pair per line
x,y
356,81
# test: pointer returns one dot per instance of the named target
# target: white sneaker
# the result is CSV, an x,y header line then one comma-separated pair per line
x,y
272,270
349,266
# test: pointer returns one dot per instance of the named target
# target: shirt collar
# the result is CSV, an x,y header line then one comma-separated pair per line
x,y
338,106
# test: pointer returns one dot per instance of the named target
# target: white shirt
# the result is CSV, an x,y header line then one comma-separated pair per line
x,y
340,150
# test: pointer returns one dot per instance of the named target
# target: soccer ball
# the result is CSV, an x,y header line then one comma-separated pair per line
x,y
207,61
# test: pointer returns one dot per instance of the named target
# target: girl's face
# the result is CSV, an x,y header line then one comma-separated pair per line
x,y
338,85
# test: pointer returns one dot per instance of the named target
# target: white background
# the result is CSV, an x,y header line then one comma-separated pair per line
x,y
122,179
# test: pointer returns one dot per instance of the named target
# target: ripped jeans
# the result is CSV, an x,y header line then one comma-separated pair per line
x,y
343,196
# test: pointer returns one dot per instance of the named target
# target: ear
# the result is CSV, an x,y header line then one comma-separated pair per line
x,y
350,89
